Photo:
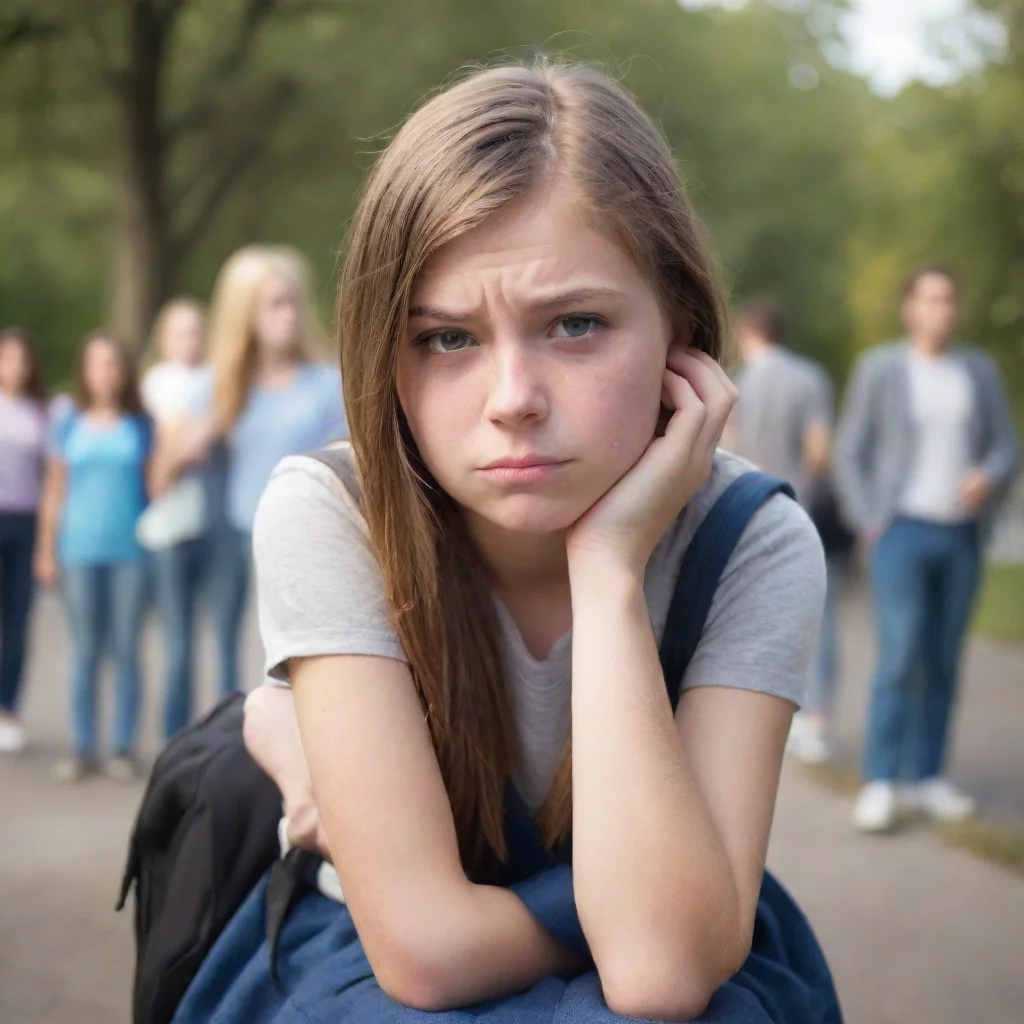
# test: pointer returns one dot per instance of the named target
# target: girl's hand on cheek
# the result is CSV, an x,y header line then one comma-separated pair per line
x,y
625,525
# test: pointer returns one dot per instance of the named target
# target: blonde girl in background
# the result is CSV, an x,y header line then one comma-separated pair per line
x,y
268,393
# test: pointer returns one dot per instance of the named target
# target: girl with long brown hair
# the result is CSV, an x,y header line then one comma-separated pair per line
x,y
531,337
23,429
96,488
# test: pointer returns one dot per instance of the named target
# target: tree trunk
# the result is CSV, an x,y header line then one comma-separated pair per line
x,y
142,262
140,265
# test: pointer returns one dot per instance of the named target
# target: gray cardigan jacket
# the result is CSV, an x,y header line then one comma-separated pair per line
x,y
876,437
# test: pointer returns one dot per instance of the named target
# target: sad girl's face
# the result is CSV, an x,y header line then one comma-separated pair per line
x,y
532,369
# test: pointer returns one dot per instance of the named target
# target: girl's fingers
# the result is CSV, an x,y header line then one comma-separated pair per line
x,y
709,380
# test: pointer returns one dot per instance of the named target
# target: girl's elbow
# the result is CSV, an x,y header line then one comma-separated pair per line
x,y
670,988
416,980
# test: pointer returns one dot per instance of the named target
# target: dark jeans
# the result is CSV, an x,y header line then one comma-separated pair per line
x,y
230,564
178,574
106,603
17,541
924,578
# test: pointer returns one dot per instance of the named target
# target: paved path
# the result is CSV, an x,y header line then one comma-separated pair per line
x,y
914,931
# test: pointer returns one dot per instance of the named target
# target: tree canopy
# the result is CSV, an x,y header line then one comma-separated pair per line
x,y
142,140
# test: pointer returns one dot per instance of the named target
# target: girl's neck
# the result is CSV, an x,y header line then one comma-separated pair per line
x,y
530,573
275,370
103,412
521,561
12,393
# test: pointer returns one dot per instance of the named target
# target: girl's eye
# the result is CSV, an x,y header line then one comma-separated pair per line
x,y
577,325
446,342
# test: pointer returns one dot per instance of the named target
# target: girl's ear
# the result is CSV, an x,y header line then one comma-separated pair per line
x,y
681,335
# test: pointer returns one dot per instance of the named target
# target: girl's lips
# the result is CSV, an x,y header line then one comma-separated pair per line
x,y
526,470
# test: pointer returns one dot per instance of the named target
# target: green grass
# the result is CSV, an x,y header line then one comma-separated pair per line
x,y
1000,613
1001,844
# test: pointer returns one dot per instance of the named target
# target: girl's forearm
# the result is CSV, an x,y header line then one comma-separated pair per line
x,y
480,943
653,886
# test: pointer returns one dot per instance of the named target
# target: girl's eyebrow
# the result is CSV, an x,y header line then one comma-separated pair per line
x,y
555,301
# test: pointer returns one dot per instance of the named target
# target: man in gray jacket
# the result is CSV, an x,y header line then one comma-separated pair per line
x,y
925,451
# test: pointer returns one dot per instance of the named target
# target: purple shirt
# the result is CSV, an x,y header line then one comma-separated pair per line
x,y
23,436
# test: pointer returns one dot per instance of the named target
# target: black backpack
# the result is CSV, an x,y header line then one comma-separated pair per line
x,y
205,834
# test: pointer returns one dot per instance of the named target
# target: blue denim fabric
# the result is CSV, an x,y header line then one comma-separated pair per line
x,y
17,540
106,603
924,577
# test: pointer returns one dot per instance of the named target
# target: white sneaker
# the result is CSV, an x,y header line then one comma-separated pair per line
x,y
875,809
73,769
12,737
940,800
808,740
122,769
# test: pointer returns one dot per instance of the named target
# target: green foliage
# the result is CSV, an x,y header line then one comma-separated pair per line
x,y
813,189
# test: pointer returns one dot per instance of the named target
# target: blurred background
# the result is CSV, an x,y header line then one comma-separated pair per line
x,y
830,145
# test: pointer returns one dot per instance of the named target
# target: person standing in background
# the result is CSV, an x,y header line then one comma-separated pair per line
x,y
23,432
926,450
783,424
174,527
268,395
94,493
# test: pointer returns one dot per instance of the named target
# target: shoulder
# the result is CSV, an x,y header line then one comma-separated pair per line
x,y
319,585
881,358
155,375
307,506
62,425
322,378
780,525
978,359
764,618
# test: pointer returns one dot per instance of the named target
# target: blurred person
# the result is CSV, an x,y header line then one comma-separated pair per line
x,y
175,525
531,333
23,433
94,492
268,394
783,423
926,451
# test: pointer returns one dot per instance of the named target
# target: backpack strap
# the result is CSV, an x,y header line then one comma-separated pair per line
x,y
702,567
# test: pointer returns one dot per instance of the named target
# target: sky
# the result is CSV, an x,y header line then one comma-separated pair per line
x,y
892,42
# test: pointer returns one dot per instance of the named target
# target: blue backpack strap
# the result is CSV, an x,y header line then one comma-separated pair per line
x,y
702,567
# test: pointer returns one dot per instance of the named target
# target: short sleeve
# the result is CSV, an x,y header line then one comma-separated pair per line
x,y
763,624
318,585
58,434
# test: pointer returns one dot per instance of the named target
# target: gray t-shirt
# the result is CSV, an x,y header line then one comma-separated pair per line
x,y
781,394
320,592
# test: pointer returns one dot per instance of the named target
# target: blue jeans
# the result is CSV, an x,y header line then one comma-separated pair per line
x,y
178,573
105,603
821,693
230,562
17,540
925,577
